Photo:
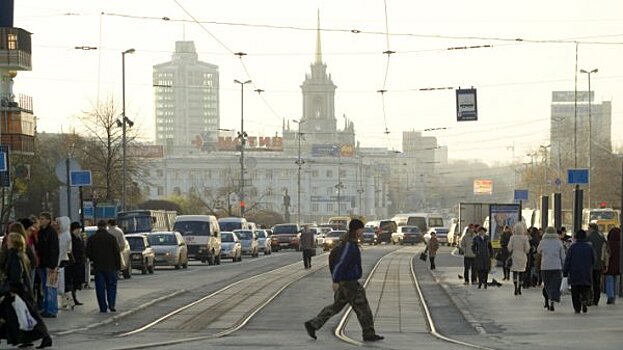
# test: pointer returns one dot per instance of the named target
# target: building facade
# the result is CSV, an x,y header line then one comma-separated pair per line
x,y
186,101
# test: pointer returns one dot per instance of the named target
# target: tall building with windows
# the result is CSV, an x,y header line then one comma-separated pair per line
x,y
186,101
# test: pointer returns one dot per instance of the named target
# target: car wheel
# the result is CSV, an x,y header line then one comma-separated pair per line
x,y
178,265
127,274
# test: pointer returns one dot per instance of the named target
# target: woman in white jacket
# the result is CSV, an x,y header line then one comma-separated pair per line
x,y
64,250
518,247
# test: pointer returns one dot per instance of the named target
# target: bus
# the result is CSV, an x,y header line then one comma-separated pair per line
x,y
145,221
605,218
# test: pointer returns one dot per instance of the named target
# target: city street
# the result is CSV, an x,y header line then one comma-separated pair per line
x,y
274,295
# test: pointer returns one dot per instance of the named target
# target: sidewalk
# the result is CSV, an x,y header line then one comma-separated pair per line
x,y
130,299
522,322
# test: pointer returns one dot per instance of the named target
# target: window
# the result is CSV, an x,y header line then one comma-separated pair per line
x,y
159,172
329,173
160,191
315,207
12,41
315,173
342,208
329,207
342,173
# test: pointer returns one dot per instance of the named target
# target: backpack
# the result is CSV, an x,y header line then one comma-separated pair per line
x,y
334,255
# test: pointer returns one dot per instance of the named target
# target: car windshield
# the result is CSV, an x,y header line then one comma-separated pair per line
x,y
162,239
244,235
192,228
230,225
435,222
136,243
227,237
335,234
280,229
135,224
261,234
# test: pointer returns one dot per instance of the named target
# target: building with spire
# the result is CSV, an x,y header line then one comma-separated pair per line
x,y
186,101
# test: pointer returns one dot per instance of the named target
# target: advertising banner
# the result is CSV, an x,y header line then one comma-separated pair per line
x,y
501,215
483,186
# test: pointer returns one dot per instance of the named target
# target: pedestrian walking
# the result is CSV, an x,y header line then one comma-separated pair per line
x,y
432,247
346,273
552,260
16,287
613,270
598,242
75,271
64,260
579,270
504,254
103,250
47,248
482,261
468,255
307,246
519,247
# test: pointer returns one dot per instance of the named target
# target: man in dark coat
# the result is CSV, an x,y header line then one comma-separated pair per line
x,y
47,249
483,250
579,269
598,241
346,274
103,251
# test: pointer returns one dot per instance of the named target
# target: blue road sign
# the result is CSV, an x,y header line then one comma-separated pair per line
x,y
3,165
521,195
577,176
80,178
5,177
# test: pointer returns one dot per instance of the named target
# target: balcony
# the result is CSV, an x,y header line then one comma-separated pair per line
x,y
15,49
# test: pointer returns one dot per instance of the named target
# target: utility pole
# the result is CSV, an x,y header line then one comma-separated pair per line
x,y
243,138
299,163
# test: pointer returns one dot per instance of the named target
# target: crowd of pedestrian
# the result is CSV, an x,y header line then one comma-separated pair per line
x,y
44,259
587,263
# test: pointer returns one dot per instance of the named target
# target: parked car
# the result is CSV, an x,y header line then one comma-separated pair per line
x,y
170,249
126,271
142,256
248,241
263,241
411,235
333,237
398,236
385,230
285,236
369,236
230,246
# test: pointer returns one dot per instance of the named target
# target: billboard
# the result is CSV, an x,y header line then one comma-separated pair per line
x,y
501,215
483,186
333,150
466,105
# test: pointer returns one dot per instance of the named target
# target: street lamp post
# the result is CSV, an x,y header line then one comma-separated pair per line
x,y
300,163
242,137
590,131
124,122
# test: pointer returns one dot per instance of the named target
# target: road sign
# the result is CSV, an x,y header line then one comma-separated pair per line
x,y
5,177
521,195
466,106
80,178
558,182
577,176
3,163
61,169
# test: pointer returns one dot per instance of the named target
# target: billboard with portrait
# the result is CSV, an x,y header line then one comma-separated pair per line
x,y
501,215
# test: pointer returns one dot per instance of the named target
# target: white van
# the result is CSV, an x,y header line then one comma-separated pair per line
x,y
427,222
203,237
233,223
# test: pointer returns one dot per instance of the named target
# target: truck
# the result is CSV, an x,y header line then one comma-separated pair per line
x,y
473,213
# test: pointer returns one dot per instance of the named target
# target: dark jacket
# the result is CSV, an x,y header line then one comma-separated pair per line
x,y
614,243
504,240
598,241
103,250
579,264
348,265
483,250
47,247
78,249
18,274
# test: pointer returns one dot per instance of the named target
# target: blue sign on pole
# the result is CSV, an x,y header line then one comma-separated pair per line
x,y
5,178
79,178
521,195
3,165
577,176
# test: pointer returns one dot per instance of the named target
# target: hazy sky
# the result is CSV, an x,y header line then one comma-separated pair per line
x,y
514,79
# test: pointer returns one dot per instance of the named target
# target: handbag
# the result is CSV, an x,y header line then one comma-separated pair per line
x,y
24,318
423,256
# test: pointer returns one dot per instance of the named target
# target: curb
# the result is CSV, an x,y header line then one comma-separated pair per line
x,y
122,314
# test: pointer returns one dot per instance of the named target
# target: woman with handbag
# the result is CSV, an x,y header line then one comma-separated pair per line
x,y
64,253
16,291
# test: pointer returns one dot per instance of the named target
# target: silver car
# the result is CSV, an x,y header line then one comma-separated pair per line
x,y
248,240
263,241
230,246
170,249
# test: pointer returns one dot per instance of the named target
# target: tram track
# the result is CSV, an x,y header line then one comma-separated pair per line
x,y
388,275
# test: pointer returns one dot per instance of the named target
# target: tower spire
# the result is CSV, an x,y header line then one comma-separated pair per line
x,y
318,46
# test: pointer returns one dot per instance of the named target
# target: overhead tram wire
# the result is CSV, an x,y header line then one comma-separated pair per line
x,y
383,90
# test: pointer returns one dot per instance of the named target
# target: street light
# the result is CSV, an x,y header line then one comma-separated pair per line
x,y
300,163
242,137
590,131
124,121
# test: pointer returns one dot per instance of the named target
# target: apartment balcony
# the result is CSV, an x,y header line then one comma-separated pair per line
x,y
15,49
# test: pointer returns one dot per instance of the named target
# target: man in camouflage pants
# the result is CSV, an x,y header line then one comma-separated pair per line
x,y
345,273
